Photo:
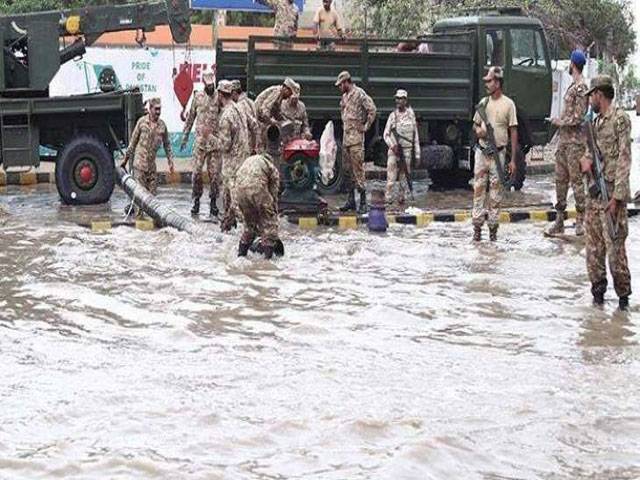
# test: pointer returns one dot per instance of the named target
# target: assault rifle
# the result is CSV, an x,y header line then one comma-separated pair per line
x,y
598,188
491,150
402,162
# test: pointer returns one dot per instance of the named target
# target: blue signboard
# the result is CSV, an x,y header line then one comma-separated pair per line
x,y
240,5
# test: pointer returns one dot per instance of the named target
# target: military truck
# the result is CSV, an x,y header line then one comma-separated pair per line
x,y
83,130
442,72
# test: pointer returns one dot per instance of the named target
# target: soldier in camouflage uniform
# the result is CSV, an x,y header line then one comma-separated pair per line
x,y
286,25
205,109
571,147
294,111
487,188
247,109
358,113
234,146
612,131
256,195
149,133
401,123
269,108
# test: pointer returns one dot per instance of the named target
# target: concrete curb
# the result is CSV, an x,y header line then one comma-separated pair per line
x,y
423,219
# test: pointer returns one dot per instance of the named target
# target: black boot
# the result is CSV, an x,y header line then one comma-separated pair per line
x,y
267,250
623,303
243,249
213,208
351,202
195,209
493,233
477,233
598,298
363,207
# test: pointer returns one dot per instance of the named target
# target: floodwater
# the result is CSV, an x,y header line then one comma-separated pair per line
x,y
410,355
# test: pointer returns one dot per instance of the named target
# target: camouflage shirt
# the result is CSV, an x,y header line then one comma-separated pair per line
x,y
406,126
257,174
234,139
145,142
286,24
248,111
613,136
204,109
296,114
268,105
573,111
358,113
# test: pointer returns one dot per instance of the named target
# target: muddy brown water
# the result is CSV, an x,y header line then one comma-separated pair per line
x,y
410,355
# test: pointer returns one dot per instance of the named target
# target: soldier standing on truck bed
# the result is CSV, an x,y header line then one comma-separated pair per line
x,y
612,132
248,109
294,111
327,24
401,132
234,146
571,147
149,133
268,108
286,25
487,187
358,113
205,110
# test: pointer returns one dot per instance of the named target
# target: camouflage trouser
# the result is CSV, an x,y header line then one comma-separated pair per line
x,y
259,214
353,164
212,160
568,172
229,215
395,177
487,190
147,179
599,247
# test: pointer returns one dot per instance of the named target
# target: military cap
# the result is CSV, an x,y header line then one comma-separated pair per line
x,y
494,72
155,102
296,89
600,82
578,58
225,86
401,94
289,83
344,75
237,86
208,78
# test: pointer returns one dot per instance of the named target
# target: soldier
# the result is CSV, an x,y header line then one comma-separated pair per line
x,y
268,108
612,131
148,134
358,113
401,132
204,108
501,114
248,110
256,195
571,147
234,147
286,25
327,24
294,111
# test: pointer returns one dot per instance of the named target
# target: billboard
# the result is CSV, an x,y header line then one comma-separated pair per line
x,y
240,5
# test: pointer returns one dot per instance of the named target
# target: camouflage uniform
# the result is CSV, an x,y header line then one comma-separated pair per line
x,y
256,195
613,136
286,24
234,143
406,127
206,149
248,110
146,139
358,113
296,114
571,148
268,110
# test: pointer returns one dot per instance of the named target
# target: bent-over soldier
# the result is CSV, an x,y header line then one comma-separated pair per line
x,y
295,111
268,108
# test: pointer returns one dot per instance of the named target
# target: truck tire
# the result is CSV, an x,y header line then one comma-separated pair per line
x,y
85,174
338,183
448,179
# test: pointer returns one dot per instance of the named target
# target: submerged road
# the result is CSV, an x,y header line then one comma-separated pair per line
x,y
410,355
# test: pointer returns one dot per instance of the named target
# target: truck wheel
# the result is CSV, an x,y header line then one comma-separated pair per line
x,y
85,173
447,179
337,183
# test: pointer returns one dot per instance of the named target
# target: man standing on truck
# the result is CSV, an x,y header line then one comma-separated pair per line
x,y
248,111
500,111
571,146
612,132
148,134
327,24
234,146
294,111
358,113
401,136
268,108
205,111
286,25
